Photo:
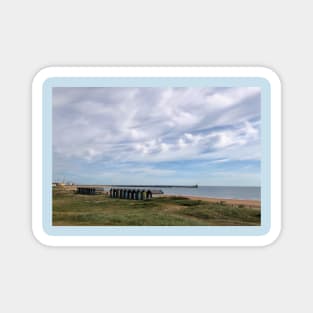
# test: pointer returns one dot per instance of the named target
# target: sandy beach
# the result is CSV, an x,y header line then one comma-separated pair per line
x,y
248,203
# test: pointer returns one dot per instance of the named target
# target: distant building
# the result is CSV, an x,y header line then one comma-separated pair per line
x,y
89,190
86,190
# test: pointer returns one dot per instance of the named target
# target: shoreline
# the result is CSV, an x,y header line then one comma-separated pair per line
x,y
249,203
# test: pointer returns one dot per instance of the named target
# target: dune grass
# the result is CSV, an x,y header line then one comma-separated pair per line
x,y
71,209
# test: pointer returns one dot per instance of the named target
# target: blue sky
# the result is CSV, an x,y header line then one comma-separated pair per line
x,y
205,136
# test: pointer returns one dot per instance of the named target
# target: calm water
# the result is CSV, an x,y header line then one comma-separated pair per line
x,y
247,193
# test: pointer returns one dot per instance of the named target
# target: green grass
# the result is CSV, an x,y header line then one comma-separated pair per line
x,y
70,209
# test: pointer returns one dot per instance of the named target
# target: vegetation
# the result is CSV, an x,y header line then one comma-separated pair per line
x,y
71,209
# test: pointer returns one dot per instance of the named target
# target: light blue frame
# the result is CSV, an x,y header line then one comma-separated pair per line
x,y
50,83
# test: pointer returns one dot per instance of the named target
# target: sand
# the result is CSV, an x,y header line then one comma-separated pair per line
x,y
248,203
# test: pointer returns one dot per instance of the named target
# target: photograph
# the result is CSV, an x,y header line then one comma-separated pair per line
x,y
156,156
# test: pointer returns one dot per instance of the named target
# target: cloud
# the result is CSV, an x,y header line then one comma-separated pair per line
x,y
154,125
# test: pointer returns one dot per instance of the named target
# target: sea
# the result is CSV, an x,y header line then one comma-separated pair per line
x,y
227,192
223,192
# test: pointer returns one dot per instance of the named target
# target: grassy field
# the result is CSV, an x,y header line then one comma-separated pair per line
x,y
70,209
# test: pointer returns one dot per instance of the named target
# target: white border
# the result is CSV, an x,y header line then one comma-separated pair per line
x,y
37,190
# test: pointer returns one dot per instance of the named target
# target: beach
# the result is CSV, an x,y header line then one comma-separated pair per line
x,y
246,203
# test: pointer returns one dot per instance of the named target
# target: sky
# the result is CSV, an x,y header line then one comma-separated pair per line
x,y
160,136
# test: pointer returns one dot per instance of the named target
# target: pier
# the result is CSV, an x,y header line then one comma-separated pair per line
x,y
139,186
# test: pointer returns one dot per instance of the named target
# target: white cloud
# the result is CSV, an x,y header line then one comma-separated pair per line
x,y
156,124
